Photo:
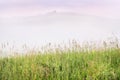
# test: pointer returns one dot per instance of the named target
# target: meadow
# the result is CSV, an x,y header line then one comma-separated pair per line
x,y
76,62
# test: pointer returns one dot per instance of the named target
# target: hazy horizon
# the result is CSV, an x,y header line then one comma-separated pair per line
x,y
39,22
109,8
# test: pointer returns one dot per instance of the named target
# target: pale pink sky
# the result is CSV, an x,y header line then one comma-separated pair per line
x,y
110,8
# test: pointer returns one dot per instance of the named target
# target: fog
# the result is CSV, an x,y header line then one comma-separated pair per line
x,y
55,28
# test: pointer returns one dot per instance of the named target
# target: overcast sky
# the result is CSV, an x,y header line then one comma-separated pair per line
x,y
58,2
32,7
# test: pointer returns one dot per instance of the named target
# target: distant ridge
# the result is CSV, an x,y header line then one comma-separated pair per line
x,y
53,12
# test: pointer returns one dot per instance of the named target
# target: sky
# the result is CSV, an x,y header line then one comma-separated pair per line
x,y
35,7
55,3
29,22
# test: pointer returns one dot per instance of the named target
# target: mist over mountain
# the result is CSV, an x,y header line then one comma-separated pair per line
x,y
56,26
54,17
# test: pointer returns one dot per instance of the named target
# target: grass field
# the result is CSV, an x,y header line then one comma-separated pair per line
x,y
95,64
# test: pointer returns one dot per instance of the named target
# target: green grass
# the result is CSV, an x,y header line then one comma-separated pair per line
x,y
97,65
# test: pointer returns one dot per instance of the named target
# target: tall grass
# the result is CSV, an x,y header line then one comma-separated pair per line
x,y
73,63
